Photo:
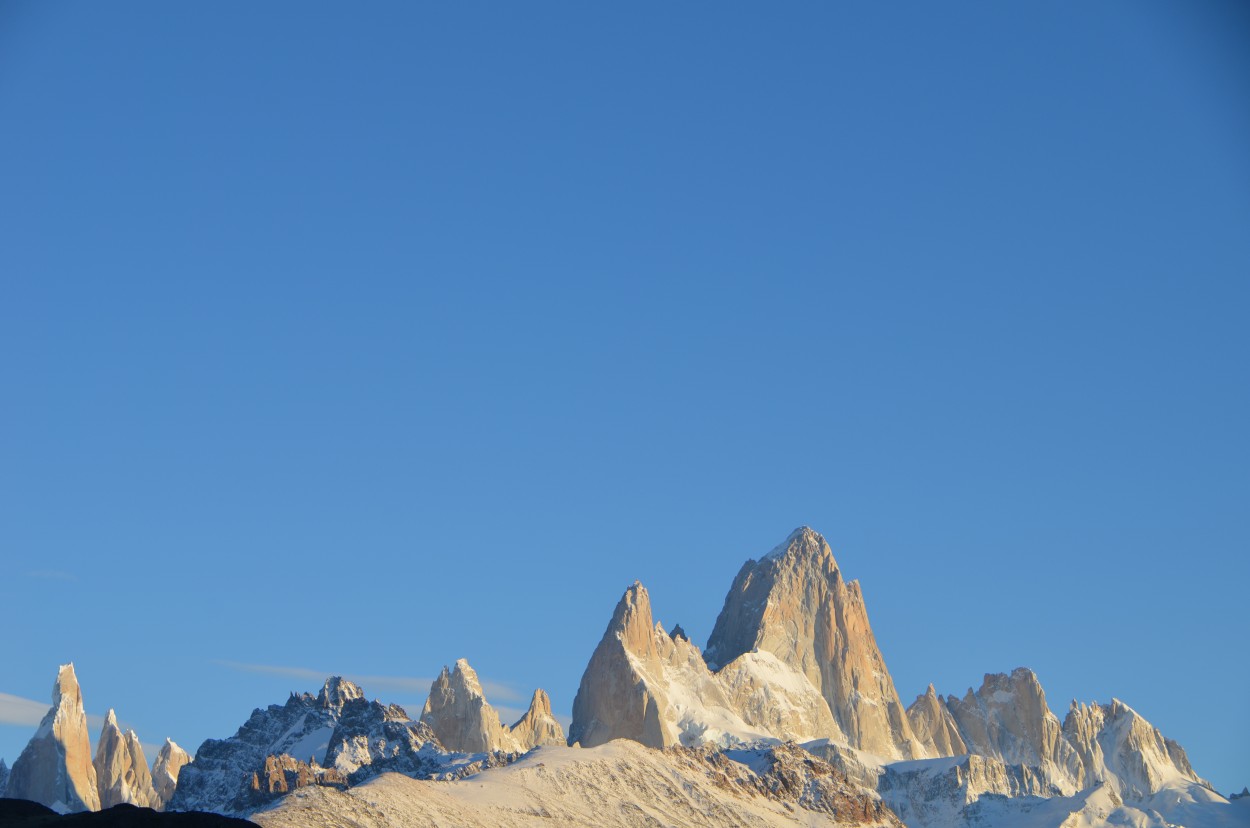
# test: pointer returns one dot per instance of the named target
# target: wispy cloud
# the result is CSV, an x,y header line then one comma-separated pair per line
x,y
51,575
398,684
19,711
16,710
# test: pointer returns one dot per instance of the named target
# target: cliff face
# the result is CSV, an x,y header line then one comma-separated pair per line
x,y
795,604
165,770
459,715
55,769
538,726
1007,718
934,726
121,768
655,688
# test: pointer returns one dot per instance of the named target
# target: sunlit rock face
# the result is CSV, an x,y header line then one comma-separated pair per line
x,y
165,769
121,769
1007,718
460,716
1119,747
55,769
795,604
655,688
538,726
933,725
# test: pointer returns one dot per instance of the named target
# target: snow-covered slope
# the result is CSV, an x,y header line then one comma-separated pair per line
x,y
1119,747
617,785
1175,806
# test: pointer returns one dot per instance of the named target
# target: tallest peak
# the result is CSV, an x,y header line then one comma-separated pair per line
x,y
804,541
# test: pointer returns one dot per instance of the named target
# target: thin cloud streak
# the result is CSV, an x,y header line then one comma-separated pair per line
x,y
16,710
400,684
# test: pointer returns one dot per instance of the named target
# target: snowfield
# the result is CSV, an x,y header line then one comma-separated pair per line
x,y
620,784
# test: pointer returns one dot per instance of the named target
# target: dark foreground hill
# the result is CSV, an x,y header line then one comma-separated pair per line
x,y
21,813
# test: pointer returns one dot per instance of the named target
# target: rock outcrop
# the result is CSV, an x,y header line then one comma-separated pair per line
x,y
1008,719
55,768
165,770
538,726
657,689
121,769
4,777
458,713
795,604
933,725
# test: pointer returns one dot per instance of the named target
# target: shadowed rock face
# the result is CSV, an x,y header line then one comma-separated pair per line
x,y
19,813
795,604
55,769
121,768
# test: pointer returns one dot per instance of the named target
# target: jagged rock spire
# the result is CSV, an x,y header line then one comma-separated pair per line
x,y
165,769
1007,718
55,768
933,725
121,768
459,715
612,701
538,726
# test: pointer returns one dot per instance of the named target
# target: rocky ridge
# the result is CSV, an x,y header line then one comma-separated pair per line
x,y
336,739
617,785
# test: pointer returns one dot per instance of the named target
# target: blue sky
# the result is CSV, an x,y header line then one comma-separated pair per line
x,y
358,340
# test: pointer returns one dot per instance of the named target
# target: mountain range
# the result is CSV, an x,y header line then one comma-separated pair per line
x,y
788,716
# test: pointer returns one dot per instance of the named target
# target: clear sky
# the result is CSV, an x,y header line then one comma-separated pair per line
x,y
359,338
